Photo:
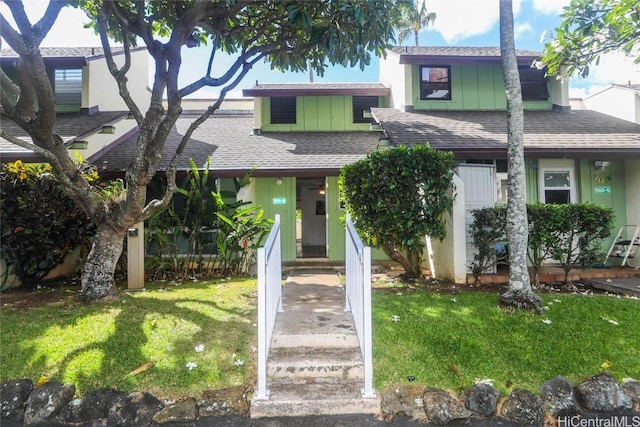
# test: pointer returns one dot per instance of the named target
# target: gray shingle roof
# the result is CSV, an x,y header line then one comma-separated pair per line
x,y
234,150
487,51
67,52
547,133
68,126
282,89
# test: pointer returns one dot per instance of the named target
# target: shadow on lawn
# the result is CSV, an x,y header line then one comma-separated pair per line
x,y
151,319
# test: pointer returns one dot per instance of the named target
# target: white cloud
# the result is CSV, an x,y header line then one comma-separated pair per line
x,y
551,7
66,31
583,92
521,29
457,20
614,68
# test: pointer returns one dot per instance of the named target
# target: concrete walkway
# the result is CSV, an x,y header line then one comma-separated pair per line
x,y
314,365
313,301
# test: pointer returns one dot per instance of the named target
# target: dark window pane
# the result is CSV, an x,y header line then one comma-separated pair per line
x,y
534,84
362,104
558,197
283,110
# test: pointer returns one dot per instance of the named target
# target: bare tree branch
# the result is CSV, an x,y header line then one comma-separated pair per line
x,y
119,74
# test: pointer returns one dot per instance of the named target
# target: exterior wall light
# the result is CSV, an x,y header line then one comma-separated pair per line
x,y
602,164
279,181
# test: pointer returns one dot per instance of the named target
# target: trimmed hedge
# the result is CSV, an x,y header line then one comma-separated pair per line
x,y
570,234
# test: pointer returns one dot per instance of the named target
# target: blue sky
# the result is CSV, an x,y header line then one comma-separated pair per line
x,y
458,23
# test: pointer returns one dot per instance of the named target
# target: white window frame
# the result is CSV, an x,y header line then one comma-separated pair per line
x,y
560,166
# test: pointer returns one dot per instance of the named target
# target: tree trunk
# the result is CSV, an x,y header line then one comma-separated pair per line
x,y
411,269
99,269
520,293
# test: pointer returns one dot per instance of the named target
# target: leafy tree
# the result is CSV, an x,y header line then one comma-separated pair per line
x,y
286,34
591,28
415,17
397,197
520,293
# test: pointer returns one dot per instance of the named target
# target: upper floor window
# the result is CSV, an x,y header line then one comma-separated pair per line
x,y
534,84
362,104
283,110
68,87
435,82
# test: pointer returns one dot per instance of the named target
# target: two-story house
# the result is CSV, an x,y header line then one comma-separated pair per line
x,y
300,135
294,143
454,99
90,113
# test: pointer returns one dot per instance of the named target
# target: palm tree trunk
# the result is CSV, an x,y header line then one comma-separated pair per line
x,y
520,293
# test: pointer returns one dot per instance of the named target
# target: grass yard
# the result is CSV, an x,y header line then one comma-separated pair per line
x,y
98,346
453,340
443,340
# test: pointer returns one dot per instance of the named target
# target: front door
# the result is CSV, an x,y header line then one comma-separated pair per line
x,y
311,218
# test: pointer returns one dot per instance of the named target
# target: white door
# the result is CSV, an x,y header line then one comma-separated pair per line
x,y
480,192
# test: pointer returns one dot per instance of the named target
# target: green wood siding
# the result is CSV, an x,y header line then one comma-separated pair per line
x,y
334,223
473,87
317,113
267,192
592,179
588,177
531,177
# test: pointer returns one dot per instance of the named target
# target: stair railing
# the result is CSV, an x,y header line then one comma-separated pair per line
x,y
358,300
269,301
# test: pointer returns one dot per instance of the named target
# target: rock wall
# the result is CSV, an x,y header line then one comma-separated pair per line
x,y
600,398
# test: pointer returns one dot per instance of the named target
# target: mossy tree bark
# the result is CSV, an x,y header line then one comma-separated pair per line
x,y
520,293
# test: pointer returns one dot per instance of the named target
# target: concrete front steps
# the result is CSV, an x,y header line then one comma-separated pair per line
x,y
314,365
314,381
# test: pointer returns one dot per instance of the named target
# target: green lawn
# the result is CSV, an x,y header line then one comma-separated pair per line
x,y
97,346
442,340
452,341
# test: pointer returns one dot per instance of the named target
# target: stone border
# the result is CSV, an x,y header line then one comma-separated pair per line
x,y
559,402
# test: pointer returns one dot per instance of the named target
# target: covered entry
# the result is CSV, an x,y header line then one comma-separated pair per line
x,y
311,218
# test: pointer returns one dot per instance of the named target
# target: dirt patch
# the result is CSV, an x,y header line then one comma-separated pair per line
x,y
24,298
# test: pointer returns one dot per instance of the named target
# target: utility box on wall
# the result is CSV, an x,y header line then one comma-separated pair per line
x,y
135,254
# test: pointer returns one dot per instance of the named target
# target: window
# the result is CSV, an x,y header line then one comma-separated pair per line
x,y
283,110
435,83
362,104
68,87
557,186
534,84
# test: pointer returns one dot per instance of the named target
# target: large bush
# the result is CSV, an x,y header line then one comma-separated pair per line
x,y
40,224
569,234
397,197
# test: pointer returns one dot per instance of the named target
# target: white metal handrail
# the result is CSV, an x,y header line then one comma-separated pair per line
x,y
358,300
269,301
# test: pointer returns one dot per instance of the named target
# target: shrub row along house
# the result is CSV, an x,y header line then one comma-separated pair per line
x,y
294,138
